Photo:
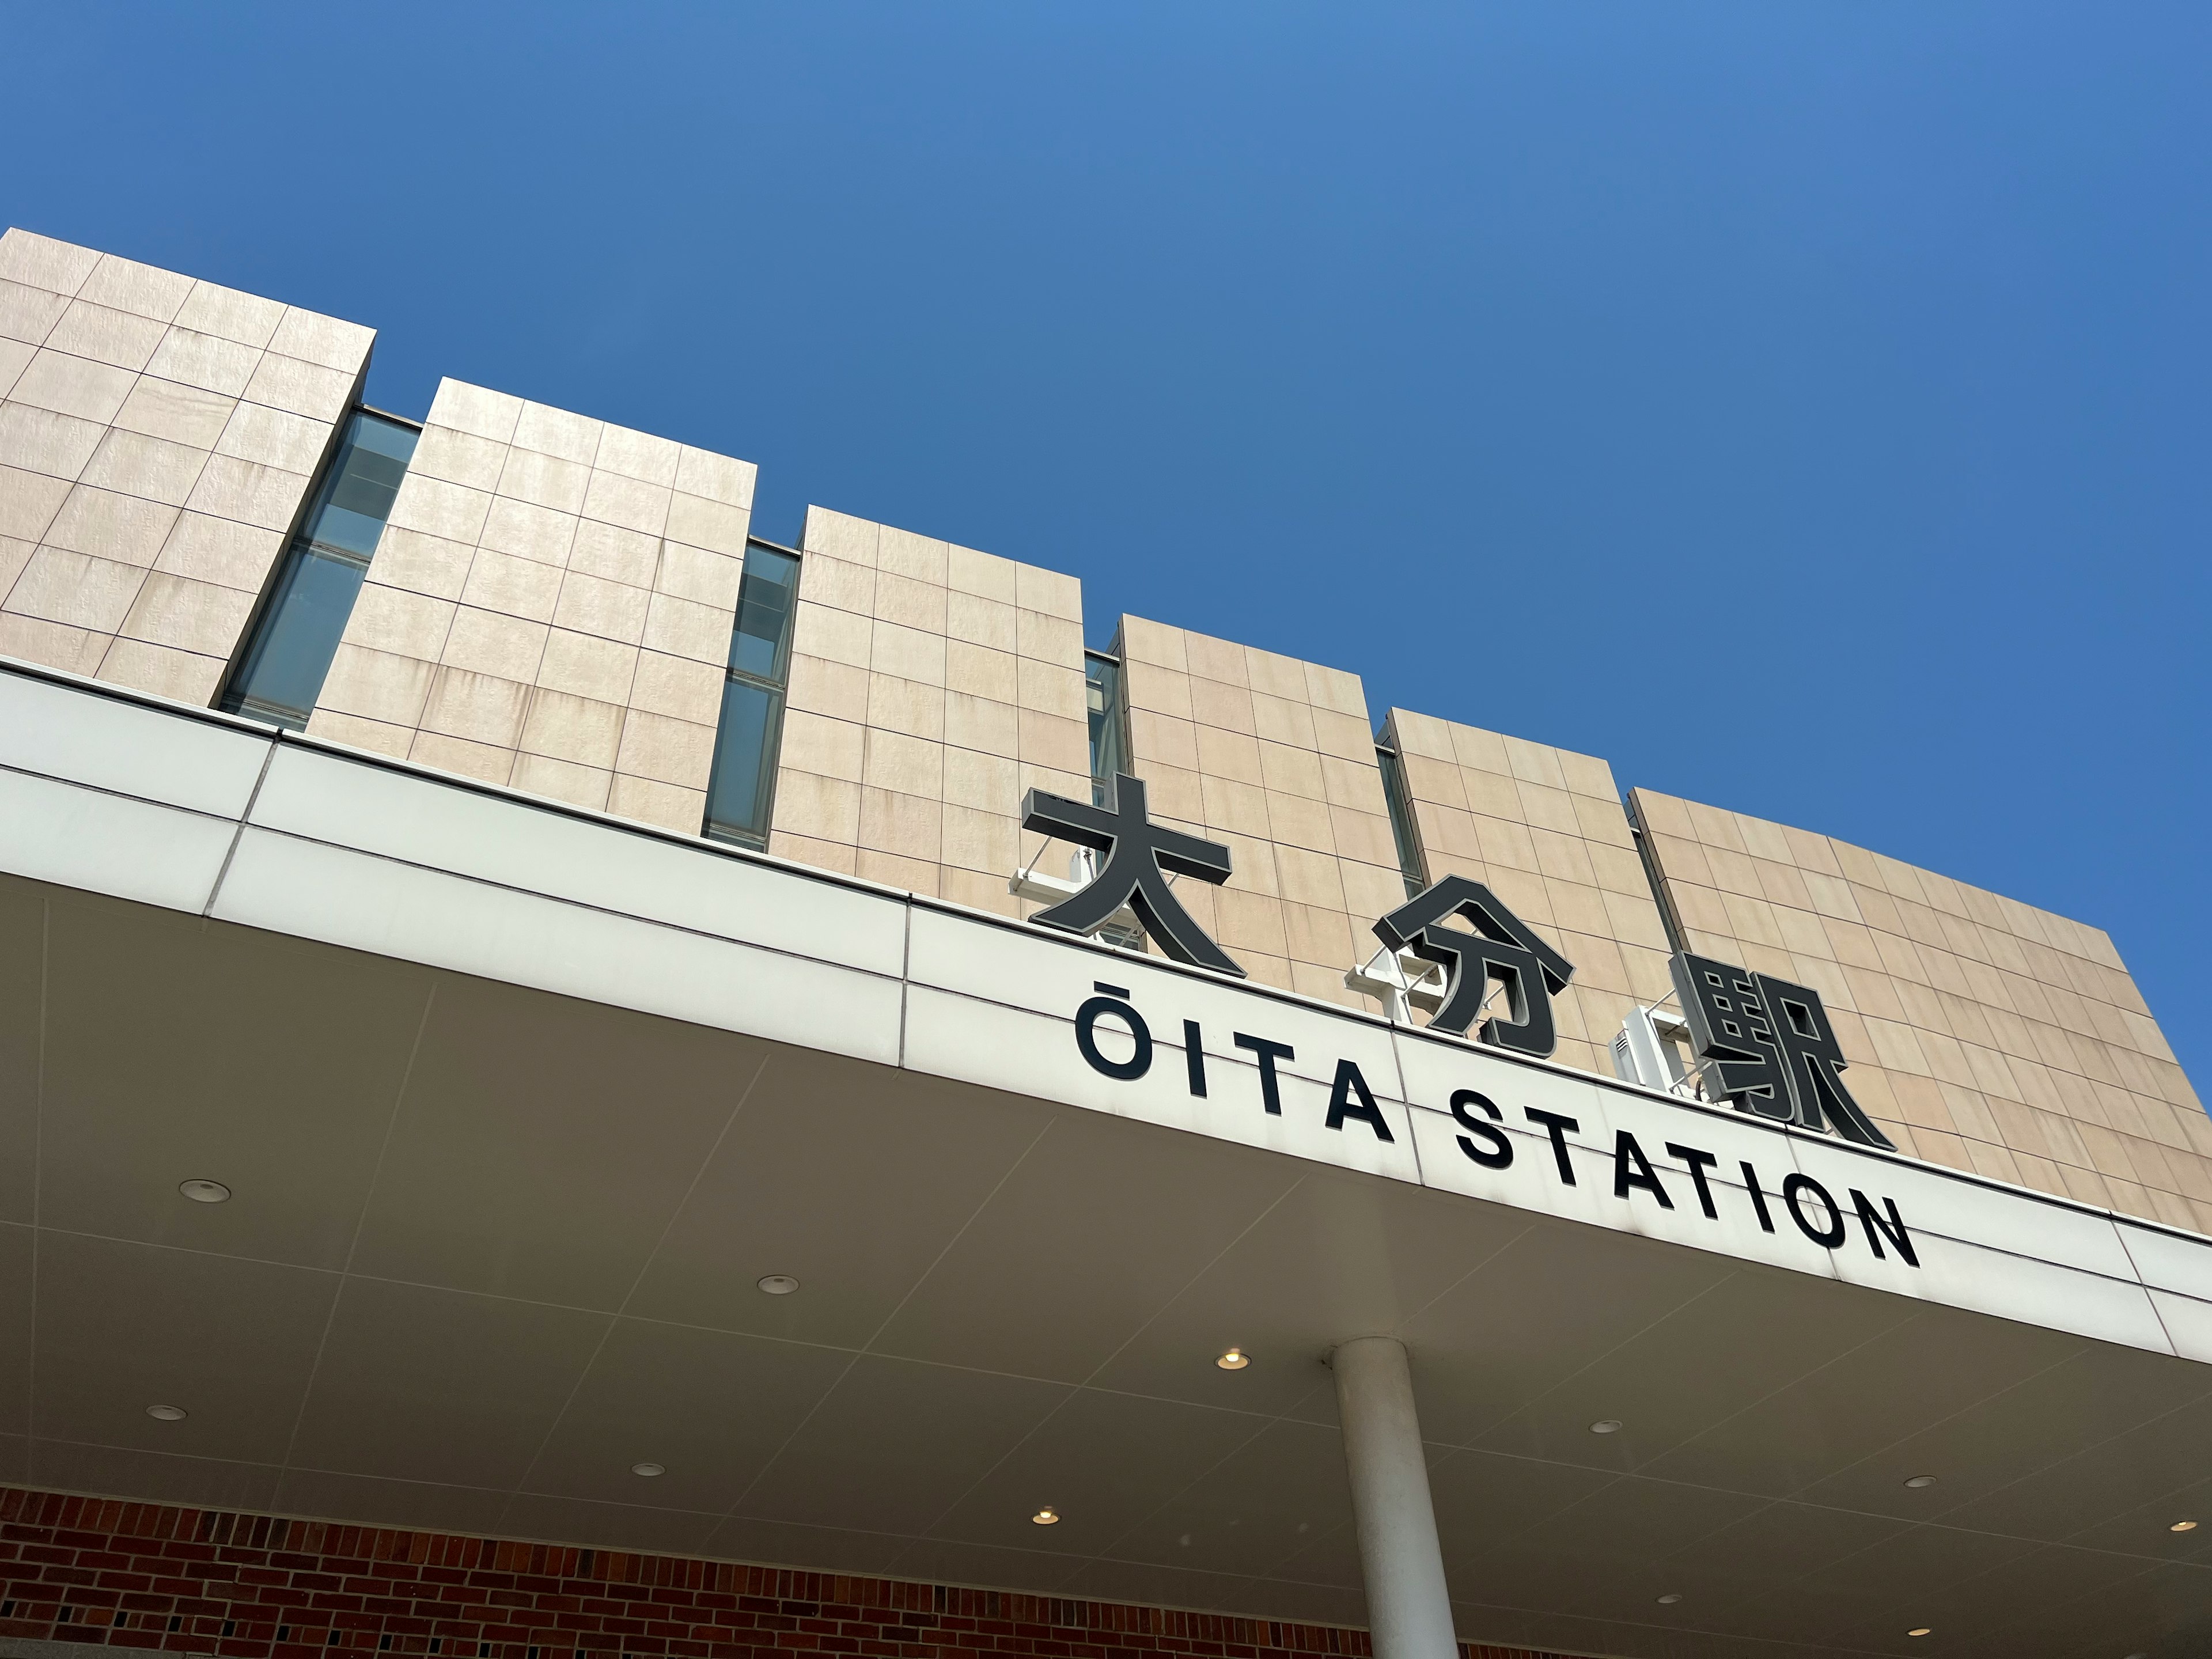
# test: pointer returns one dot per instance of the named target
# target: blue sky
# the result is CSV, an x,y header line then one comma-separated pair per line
x,y
1806,407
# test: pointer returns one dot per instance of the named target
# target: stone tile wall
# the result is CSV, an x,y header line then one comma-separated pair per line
x,y
1275,759
157,435
1544,829
931,685
550,608
1982,1033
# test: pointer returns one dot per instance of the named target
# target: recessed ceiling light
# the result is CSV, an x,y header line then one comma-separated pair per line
x,y
167,1413
648,1470
1235,1360
204,1192
779,1283
1925,1629
2182,1526
1606,1425
1046,1517
1919,1481
1670,1598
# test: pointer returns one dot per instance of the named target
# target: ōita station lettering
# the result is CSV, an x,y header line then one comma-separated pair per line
x,y
1825,1217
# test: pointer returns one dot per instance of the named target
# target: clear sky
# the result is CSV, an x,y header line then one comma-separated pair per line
x,y
1806,406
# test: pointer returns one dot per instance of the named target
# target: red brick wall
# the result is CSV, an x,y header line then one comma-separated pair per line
x,y
259,1587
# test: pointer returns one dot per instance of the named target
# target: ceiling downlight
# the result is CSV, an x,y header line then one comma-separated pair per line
x,y
1046,1517
204,1192
167,1413
779,1285
1235,1360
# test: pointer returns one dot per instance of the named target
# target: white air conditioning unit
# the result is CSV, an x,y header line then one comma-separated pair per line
x,y
1644,1052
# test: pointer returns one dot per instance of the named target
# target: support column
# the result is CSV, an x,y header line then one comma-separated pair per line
x,y
1408,1610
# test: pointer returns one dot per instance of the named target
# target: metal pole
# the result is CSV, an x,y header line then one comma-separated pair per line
x,y
1408,1610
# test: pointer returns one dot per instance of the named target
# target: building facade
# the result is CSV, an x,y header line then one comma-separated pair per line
x,y
558,642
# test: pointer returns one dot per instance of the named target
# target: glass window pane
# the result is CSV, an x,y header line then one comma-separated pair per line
x,y
758,643
737,797
313,596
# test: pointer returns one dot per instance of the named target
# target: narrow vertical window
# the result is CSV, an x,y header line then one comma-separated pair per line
x,y
1410,864
1101,693
281,674
742,791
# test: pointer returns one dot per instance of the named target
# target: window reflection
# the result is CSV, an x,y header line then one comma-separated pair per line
x,y
742,792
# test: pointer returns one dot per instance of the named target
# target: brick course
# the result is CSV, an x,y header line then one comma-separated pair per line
x,y
243,1586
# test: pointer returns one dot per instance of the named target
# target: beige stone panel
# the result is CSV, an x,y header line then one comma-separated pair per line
x,y
1564,858
536,479
614,554
1300,821
421,563
904,707
561,780
904,766
1618,870
14,553
164,670
572,728
840,535
1075,786
188,616
488,762
1319,936
1249,922
1492,796
978,890
124,528
625,502
978,723
716,478
488,642
28,314
523,531
701,575
821,855
1157,690
637,455
986,782
678,687
204,362
827,748
1336,690
1048,592
154,468
1289,771
43,262
291,443
40,440
188,415
667,750
644,801
1172,793
76,591
592,605
73,386
910,826
1154,645
1230,755
448,511
33,639
680,627
558,433
1048,639
981,673
1507,845
1366,836
1343,736
907,653
917,558
1348,784
302,388
909,875
375,736
697,522
1063,745
477,410
984,576
324,340
1051,690
484,708
511,587
837,637
1159,739
975,620
458,458
1310,878
1439,782
1270,718
838,690
987,842
1410,734
142,290
1266,970
1273,674
586,666
1239,807
838,583
376,685
818,808
909,603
